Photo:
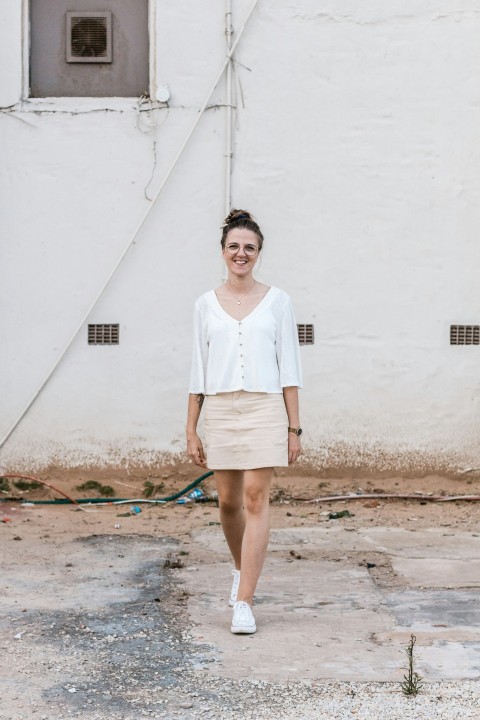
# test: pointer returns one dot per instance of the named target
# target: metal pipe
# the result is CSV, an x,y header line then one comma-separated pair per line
x,y
229,149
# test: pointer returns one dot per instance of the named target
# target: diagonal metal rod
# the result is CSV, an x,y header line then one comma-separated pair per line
x,y
137,230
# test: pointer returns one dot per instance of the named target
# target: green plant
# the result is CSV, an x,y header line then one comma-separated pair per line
x,y
150,489
4,484
412,680
26,485
103,490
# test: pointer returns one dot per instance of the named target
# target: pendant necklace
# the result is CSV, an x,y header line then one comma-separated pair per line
x,y
239,302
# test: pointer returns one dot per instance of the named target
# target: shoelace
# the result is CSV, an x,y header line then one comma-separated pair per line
x,y
243,612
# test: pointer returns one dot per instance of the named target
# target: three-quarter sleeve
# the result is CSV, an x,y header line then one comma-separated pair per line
x,y
288,348
199,354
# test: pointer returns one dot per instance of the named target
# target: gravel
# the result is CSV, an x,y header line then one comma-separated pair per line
x,y
293,701
320,701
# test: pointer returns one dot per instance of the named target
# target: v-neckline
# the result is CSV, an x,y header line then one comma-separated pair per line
x,y
251,311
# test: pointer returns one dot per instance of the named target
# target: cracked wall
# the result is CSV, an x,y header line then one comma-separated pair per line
x,y
356,146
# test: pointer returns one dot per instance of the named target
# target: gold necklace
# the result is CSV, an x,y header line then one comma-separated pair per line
x,y
239,302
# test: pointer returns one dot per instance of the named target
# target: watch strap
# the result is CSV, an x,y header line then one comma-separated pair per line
x,y
297,431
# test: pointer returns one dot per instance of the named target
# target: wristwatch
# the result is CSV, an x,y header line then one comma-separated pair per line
x,y
296,431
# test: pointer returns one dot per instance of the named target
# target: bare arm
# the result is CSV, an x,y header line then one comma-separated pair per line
x,y
194,444
290,396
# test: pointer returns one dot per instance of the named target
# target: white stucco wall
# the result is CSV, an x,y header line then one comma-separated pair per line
x,y
357,148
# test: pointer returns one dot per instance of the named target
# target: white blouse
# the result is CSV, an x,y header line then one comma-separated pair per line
x,y
258,354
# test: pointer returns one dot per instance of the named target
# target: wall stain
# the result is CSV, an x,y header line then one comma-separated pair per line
x,y
336,458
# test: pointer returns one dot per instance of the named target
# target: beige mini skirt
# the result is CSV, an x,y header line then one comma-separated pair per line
x,y
245,430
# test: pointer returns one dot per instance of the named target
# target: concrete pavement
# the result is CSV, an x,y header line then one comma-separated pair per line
x,y
339,603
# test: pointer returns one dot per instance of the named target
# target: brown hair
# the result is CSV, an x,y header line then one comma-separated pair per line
x,y
241,219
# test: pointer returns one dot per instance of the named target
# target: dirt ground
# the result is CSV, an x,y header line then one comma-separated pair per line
x,y
92,622
293,499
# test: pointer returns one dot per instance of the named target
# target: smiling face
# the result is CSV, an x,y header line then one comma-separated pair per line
x,y
241,251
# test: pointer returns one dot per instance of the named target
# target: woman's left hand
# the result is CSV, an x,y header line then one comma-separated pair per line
x,y
294,447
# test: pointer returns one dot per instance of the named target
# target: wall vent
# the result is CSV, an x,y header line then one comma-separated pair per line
x,y
104,334
464,334
305,334
89,37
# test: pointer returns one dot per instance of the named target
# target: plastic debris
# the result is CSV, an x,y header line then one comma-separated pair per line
x,y
135,509
197,495
117,526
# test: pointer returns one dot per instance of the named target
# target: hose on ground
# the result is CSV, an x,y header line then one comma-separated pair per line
x,y
67,500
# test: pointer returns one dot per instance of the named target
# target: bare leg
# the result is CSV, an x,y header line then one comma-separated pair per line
x,y
256,497
232,515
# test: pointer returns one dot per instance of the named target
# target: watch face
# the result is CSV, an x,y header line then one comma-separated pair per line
x,y
299,431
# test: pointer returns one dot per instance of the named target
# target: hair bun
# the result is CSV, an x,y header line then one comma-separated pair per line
x,y
235,215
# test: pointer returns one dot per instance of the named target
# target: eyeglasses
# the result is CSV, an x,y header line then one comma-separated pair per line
x,y
233,248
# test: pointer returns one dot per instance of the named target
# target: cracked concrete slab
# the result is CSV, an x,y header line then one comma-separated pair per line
x,y
326,616
455,660
420,610
395,542
310,617
438,572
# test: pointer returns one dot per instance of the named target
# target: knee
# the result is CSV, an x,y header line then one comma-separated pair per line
x,y
256,500
229,506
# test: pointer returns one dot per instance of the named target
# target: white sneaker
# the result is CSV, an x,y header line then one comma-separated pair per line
x,y
243,621
234,590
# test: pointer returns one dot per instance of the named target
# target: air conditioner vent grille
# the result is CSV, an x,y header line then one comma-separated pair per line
x,y
106,334
305,334
464,334
89,37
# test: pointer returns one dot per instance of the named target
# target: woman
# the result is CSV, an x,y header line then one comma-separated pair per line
x,y
246,367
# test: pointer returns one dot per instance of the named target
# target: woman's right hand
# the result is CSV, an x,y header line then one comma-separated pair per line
x,y
195,451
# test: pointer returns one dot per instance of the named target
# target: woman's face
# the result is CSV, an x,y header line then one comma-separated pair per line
x,y
241,251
